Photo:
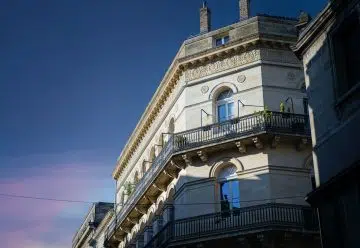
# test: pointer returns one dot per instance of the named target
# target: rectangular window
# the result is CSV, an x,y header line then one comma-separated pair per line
x,y
222,41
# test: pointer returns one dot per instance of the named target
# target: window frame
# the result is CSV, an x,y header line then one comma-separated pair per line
x,y
223,40
225,102
231,183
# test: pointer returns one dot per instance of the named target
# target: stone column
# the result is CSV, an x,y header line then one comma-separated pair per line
x,y
148,234
205,18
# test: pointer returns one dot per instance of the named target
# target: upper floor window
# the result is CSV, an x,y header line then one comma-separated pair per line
x,y
225,106
229,189
222,40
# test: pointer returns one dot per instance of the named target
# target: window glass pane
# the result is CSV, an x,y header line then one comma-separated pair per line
x,y
224,95
222,113
218,42
226,39
230,107
225,196
235,194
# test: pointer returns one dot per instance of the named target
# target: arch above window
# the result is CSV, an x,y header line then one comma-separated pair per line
x,y
218,89
223,163
226,94
227,172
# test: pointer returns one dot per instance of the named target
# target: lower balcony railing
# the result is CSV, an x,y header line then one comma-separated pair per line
x,y
273,122
262,217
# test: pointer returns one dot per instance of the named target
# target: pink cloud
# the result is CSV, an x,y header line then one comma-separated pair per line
x,y
30,223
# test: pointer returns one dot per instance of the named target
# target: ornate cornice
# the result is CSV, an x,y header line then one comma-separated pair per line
x,y
195,66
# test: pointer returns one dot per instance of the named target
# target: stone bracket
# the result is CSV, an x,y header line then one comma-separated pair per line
x,y
187,159
302,144
172,162
258,143
151,199
125,229
241,146
140,210
203,156
170,173
132,220
159,187
275,141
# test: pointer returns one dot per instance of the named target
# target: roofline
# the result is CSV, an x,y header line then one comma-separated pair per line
x,y
312,30
164,82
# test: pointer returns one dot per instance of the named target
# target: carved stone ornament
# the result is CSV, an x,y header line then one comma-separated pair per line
x,y
291,76
241,78
221,65
204,89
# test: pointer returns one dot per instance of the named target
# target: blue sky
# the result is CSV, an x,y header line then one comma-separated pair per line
x,y
75,77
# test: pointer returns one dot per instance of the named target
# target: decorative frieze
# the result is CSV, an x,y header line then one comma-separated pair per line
x,y
221,65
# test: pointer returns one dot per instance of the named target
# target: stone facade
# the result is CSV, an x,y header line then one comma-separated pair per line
x,y
174,169
333,83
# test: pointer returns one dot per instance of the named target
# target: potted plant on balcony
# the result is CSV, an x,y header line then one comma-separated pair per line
x,y
263,117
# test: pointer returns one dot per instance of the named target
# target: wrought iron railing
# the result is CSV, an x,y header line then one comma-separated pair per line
x,y
84,226
266,216
274,122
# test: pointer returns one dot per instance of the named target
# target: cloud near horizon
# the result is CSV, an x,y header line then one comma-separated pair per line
x,y
51,224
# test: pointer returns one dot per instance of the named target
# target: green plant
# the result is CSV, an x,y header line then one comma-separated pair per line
x,y
266,113
282,107
129,187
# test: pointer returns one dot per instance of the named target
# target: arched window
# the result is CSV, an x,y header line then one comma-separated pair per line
x,y
225,106
229,188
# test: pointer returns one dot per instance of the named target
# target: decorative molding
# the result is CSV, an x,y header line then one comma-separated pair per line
x,y
241,146
222,65
241,78
187,159
275,141
204,89
302,144
258,143
203,156
291,76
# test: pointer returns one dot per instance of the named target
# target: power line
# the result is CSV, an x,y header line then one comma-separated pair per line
x,y
44,198
127,204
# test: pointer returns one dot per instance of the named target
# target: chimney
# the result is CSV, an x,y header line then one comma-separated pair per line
x,y
244,7
205,18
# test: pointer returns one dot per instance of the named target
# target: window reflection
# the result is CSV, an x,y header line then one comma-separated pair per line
x,y
230,195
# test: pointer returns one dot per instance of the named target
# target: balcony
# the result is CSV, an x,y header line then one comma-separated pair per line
x,y
226,133
267,217
95,215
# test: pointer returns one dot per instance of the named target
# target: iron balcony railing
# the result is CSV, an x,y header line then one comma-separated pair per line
x,y
261,217
272,122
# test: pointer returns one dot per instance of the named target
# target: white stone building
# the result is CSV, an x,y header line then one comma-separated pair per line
x,y
212,160
330,49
